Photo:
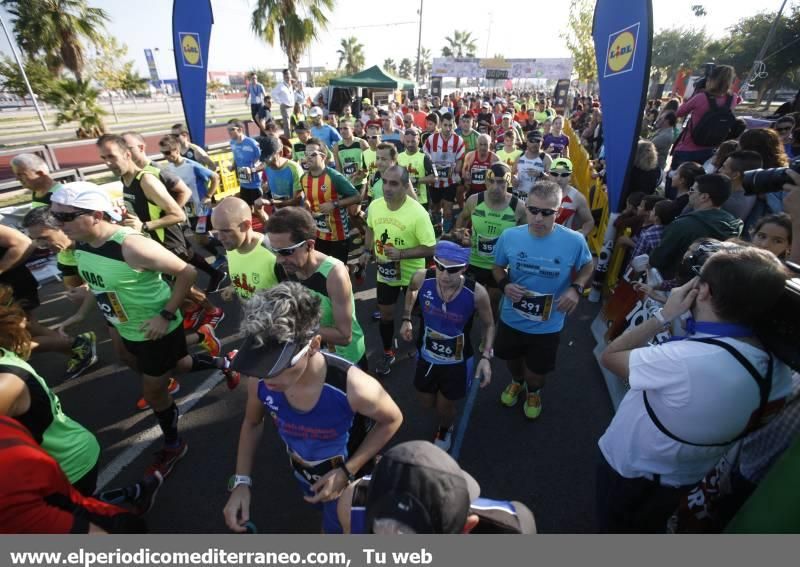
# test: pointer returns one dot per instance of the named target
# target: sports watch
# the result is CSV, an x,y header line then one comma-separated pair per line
x,y
577,287
168,315
237,479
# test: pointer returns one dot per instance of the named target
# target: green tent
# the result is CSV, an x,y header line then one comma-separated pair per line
x,y
373,78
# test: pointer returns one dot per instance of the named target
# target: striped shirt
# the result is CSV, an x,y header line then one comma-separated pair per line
x,y
328,187
445,154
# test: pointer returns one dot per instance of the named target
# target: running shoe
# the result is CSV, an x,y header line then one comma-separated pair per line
x,y
218,281
210,342
173,388
84,355
384,366
166,459
232,378
146,491
533,405
191,317
444,438
213,317
511,394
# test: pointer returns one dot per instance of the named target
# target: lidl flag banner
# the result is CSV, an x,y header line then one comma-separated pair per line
x,y
191,32
151,65
623,34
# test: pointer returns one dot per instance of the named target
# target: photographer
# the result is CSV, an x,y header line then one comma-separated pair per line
x,y
791,205
689,399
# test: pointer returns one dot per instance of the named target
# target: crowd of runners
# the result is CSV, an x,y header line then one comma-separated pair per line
x,y
465,206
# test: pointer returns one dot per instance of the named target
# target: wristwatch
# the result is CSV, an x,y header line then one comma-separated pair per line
x,y
578,287
659,315
145,228
168,315
350,476
237,479
336,204
489,355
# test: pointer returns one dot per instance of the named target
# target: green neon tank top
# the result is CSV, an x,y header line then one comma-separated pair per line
x,y
415,164
350,157
487,226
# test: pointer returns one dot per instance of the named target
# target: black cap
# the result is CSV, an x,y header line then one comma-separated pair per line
x,y
418,484
535,136
301,126
264,359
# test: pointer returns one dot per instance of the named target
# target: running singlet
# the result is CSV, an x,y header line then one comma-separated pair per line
x,y
569,203
318,284
408,227
529,171
446,328
44,200
487,226
470,141
508,158
245,156
543,266
66,258
369,157
284,183
350,157
253,270
444,154
328,187
137,202
74,448
127,297
477,173
558,143
416,165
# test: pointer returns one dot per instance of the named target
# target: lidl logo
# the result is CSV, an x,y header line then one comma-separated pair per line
x,y
621,50
190,48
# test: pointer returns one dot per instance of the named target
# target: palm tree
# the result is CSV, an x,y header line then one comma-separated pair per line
x,y
76,101
390,65
131,82
351,54
424,64
54,29
406,69
461,44
294,32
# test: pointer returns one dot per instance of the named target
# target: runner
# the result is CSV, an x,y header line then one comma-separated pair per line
x,y
246,162
445,364
477,163
531,166
556,143
509,153
534,267
446,150
326,133
490,213
34,174
419,165
399,236
371,153
304,390
328,194
386,157
124,271
466,132
192,151
574,212
283,178
299,146
291,235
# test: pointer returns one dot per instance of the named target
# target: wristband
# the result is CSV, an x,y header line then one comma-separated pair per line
x,y
659,315
145,228
350,476
502,284
168,315
404,319
239,479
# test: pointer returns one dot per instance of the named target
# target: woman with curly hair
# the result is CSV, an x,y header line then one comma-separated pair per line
x,y
769,146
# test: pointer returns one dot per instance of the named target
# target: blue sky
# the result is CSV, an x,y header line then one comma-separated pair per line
x,y
387,29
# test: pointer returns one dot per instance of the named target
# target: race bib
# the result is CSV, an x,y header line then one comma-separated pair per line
x,y
111,307
534,306
389,271
202,225
444,349
534,172
479,176
350,168
243,174
443,170
322,223
486,246
312,472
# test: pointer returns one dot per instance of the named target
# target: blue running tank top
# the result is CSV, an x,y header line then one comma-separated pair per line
x,y
445,338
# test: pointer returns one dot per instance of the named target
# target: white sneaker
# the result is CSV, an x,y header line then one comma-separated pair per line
x,y
444,438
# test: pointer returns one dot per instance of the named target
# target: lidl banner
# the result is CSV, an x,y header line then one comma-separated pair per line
x,y
191,32
151,65
623,34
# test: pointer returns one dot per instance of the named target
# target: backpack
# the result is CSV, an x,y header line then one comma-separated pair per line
x,y
715,125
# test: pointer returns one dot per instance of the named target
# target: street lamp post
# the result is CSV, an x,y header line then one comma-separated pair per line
x,y
419,42
161,81
24,76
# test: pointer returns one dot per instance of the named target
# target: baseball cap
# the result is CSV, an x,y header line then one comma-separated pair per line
x,y
486,105
301,126
420,485
561,163
366,102
508,115
266,358
535,136
315,112
87,196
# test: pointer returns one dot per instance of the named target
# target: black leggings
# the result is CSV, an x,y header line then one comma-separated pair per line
x,y
87,484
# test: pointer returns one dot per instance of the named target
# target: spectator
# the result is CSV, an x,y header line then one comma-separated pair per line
x,y
774,233
739,204
629,218
784,127
649,238
297,116
645,174
284,96
767,143
682,180
715,162
689,400
706,197
663,137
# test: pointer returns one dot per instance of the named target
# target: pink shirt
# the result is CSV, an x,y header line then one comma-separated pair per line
x,y
697,106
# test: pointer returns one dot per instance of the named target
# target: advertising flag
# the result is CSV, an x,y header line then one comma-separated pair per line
x,y
191,32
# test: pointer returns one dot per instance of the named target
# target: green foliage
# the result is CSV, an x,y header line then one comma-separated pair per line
x,y
264,76
76,101
406,69
131,82
324,79
579,39
460,44
284,20
426,62
351,54
675,49
215,86
390,66
38,74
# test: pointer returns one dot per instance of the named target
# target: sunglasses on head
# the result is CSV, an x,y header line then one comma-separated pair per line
x,y
69,217
289,250
562,174
544,212
452,269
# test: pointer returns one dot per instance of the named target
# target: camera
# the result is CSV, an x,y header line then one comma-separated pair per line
x,y
758,181
779,328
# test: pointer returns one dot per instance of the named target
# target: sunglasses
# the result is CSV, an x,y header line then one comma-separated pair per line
x,y
782,129
452,269
312,154
544,212
372,137
289,250
69,217
562,174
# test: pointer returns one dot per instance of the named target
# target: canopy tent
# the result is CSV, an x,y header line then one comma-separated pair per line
x,y
373,78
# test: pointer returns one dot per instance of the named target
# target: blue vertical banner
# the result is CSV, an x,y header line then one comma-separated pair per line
x,y
151,65
623,37
191,32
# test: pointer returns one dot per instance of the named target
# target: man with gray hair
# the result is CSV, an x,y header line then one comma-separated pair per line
x,y
34,174
533,266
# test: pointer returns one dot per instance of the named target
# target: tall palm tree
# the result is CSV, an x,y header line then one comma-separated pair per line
x,y
424,64
390,65
294,31
406,69
76,101
351,54
54,29
460,44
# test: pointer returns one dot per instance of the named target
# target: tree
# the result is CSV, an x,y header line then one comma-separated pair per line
x,y
351,53
390,66
131,82
39,76
460,44
76,101
699,10
425,64
675,49
54,30
215,86
406,69
282,19
579,39
324,79
265,77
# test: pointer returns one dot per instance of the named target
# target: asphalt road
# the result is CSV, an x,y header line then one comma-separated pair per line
x,y
547,464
